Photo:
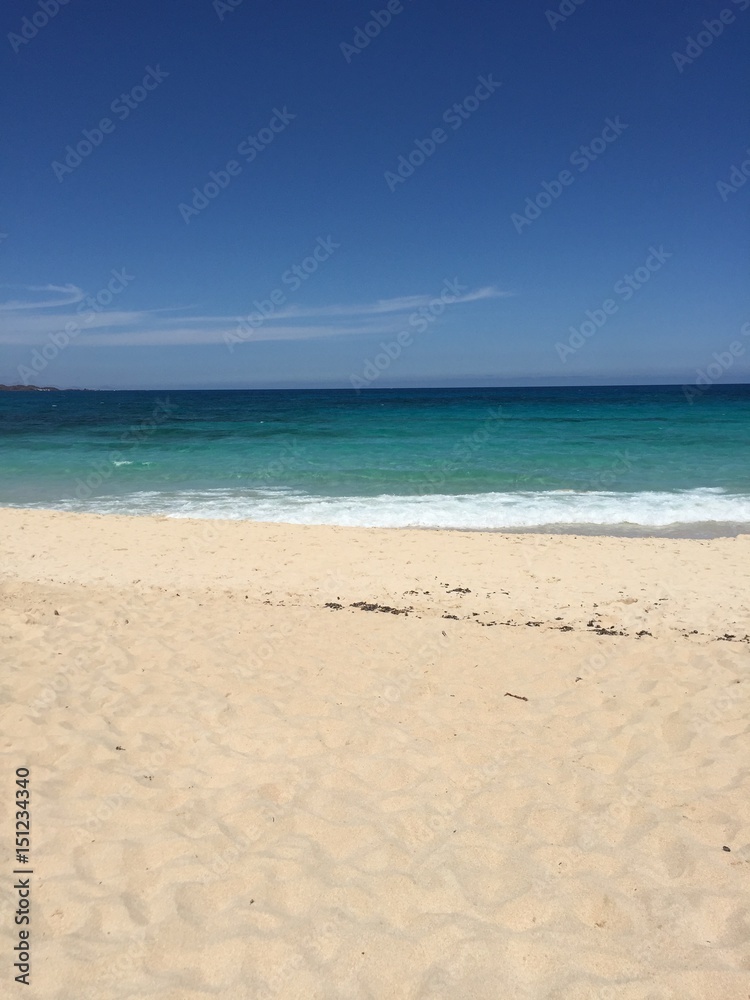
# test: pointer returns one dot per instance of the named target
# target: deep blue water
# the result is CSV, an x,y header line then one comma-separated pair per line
x,y
626,458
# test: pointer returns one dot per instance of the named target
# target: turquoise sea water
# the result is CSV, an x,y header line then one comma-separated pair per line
x,y
618,459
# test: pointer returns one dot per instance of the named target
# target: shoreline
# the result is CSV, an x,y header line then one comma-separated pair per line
x,y
703,531
678,582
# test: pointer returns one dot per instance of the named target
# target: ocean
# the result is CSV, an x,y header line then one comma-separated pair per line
x,y
614,460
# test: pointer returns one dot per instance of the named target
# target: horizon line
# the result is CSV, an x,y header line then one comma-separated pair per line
x,y
17,387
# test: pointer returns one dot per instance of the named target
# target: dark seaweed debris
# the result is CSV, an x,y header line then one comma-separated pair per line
x,y
364,606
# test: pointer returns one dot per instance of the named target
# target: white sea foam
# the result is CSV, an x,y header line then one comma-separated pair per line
x,y
482,511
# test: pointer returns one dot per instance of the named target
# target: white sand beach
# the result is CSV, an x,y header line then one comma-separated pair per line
x,y
301,762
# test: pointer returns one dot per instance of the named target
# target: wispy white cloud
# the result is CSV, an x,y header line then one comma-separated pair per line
x,y
405,304
29,322
70,296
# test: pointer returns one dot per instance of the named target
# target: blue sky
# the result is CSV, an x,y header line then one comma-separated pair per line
x,y
462,269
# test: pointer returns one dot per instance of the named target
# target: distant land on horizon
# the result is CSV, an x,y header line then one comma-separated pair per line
x,y
30,388
40,388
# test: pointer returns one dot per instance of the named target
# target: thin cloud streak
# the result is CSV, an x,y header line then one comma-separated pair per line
x,y
160,327
404,304
185,336
72,295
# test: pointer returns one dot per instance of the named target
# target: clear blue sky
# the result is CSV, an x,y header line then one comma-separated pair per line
x,y
208,83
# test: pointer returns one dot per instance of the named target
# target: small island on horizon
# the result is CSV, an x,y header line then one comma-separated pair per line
x,y
29,388
39,388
